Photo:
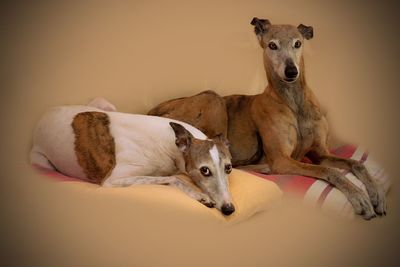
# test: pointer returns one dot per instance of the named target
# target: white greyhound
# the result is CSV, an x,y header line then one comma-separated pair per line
x,y
96,144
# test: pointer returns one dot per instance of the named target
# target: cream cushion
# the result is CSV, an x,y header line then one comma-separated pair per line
x,y
250,195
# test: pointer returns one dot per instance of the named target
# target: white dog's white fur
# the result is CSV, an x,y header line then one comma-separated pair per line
x,y
144,145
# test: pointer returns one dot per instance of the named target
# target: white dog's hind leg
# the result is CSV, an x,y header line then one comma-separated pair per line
x,y
39,159
162,180
102,103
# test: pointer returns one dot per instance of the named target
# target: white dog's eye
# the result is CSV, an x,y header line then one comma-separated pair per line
x,y
205,171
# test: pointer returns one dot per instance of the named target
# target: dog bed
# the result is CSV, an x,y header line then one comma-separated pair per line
x,y
250,194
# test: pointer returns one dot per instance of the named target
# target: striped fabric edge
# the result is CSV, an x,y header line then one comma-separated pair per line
x,y
336,201
321,195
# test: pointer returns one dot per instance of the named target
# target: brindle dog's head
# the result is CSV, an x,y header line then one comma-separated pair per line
x,y
283,47
208,163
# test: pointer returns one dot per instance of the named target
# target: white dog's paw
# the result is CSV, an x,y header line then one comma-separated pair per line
x,y
205,200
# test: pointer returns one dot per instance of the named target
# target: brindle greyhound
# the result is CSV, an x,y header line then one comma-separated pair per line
x,y
280,126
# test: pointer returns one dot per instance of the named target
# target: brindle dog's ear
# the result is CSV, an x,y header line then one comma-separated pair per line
x,y
306,31
183,137
260,26
222,139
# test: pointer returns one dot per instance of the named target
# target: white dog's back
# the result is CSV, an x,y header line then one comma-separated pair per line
x,y
142,143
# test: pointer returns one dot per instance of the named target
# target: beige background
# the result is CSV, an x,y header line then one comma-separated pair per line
x,y
139,53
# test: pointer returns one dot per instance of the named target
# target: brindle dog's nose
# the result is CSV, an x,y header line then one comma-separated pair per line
x,y
227,209
291,71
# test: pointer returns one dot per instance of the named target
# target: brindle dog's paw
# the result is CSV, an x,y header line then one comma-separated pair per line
x,y
379,203
362,205
378,199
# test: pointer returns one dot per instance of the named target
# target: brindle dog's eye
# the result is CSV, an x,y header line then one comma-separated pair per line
x,y
228,168
205,171
297,44
272,46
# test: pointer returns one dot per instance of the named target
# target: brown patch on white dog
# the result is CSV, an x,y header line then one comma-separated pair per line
x,y
94,145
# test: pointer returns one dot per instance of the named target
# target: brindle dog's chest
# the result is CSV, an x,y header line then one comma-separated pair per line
x,y
308,123
305,131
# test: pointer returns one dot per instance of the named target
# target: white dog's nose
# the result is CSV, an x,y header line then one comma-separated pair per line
x,y
227,209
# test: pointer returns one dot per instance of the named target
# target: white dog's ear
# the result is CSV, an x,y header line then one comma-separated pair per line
x,y
183,137
221,139
261,26
306,31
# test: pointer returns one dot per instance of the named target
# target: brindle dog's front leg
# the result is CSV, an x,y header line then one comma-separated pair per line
x,y
376,194
360,201
162,180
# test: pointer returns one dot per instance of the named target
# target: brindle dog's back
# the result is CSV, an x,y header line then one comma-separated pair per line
x,y
214,115
205,111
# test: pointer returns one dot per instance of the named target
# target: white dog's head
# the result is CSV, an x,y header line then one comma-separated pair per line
x,y
208,163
